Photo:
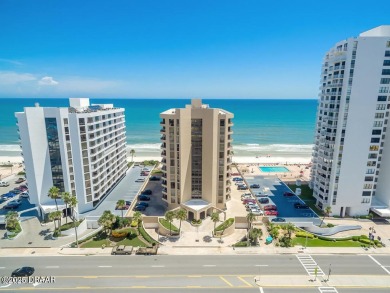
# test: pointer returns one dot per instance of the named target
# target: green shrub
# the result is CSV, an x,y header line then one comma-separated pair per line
x,y
134,223
119,233
166,225
376,242
241,244
330,225
355,238
150,162
69,225
145,235
225,225
364,236
196,222
304,234
365,241
21,173
379,245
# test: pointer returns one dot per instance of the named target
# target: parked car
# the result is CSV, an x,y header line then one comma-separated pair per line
x,y
144,197
144,174
24,194
235,174
8,195
13,204
263,200
256,211
24,186
251,205
288,194
140,208
145,169
122,249
20,180
140,180
254,186
245,201
15,191
237,179
271,213
245,194
270,207
299,205
147,192
23,272
246,197
4,184
278,219
154,178
142,203
259,194
242,187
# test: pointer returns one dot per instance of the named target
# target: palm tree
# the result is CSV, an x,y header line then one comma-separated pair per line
x,y
121,205
255,233
107,219
289,228
132,152
137,216
72,204
215,219
52,218
11,220
169,216
327,212
250,217
181,215
66,198
54,193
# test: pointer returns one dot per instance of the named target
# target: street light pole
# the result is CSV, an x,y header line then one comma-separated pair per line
x,y
306,241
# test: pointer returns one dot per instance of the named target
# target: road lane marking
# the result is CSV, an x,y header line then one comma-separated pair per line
x,y
328,290
158,266
226,281
52,267
90,277
209,265
379,264
194,276
5,286
2,267
247,283
105,266
261,265
310,265
261,289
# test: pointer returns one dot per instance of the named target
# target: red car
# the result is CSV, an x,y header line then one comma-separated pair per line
x,y
271,213
288,194
270,207
247,200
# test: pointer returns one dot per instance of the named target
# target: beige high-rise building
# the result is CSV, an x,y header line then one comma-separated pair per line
x,y
196,156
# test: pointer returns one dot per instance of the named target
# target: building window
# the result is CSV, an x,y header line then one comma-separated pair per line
x,y
382,98
370,171
386,63
381,106
375,140
378,123
372,156
385,80
374,148
366,193
367,186
387,54
383,89
377,132
385,71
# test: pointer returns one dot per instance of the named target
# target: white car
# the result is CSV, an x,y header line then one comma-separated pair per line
x,y
251,205
140,180
257,212
24,194
246,197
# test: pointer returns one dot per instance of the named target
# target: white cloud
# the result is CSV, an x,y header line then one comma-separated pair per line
x,y
9,77
47,80
13,62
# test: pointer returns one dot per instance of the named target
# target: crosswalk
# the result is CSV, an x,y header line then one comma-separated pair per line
x,y
310,265
327,290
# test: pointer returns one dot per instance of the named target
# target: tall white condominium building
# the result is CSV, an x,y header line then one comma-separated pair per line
x,y
351,158
196,157
80,149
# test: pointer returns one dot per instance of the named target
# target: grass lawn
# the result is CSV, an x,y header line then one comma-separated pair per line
x,y
307,197
132,242
166,225
95,243
324,243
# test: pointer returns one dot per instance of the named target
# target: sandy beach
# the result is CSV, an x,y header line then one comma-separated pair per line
x,y
296,165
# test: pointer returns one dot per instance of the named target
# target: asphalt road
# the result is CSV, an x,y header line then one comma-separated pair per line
x,y
186,273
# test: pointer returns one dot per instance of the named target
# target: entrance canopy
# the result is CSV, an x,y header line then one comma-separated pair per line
x,y
196,204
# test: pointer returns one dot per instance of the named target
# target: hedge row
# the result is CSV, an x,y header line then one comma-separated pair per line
x,y
225,225
119,233
304,234
145,235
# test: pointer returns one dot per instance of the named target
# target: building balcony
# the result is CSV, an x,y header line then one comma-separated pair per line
x,y
162,130
163,153
163,146
163,137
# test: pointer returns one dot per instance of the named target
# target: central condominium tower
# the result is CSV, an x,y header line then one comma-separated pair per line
x,y
196,156
351,158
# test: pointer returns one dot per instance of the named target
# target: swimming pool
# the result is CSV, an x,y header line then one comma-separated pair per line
x,y
274,169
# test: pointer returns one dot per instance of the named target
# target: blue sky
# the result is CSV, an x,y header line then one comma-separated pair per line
x,y
173,49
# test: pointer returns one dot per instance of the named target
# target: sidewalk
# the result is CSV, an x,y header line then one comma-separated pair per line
x,y
194,250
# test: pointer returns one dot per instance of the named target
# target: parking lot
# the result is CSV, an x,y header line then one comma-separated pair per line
x,y
275,189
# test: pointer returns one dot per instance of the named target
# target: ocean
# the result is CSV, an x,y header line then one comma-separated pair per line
x,y
281,128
